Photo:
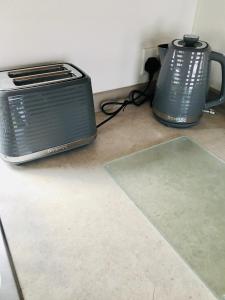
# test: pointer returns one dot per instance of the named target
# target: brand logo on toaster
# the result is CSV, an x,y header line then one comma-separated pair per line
x,y
57,149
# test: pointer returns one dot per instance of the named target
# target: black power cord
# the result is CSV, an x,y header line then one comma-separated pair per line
x,y
135,97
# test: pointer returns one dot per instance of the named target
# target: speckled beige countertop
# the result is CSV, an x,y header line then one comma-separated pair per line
x,y
75,235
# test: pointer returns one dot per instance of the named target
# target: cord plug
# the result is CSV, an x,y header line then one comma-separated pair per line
x,y
152,65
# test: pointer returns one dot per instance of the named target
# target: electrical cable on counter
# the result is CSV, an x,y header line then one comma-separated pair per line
x,y
135,97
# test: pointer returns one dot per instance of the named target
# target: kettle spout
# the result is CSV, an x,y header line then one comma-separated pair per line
x,y
162,51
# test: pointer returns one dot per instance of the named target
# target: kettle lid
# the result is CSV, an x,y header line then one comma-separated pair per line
x,y
190,41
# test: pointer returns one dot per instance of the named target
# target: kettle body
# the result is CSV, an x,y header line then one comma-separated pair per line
x,y
183,81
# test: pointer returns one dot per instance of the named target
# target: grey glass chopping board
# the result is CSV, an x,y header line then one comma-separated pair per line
x,y
180,188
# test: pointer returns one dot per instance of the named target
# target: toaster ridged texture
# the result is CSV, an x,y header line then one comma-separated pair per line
x,y
40,118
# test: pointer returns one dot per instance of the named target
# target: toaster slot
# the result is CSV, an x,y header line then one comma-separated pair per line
x,y
43,78
36,70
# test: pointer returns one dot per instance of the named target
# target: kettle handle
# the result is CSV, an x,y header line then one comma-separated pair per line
x,y
220,58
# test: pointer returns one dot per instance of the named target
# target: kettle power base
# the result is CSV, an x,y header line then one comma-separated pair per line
x,y
175,125
180,188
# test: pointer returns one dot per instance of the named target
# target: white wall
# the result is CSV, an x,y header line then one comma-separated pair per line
x,y
104,37
210,25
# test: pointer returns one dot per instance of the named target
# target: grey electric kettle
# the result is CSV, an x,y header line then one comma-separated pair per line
x,y
183,81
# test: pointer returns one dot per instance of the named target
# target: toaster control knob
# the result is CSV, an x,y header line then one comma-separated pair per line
x,y
190,40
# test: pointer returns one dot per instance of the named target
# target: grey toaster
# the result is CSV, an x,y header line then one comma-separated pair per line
x,y
44,110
